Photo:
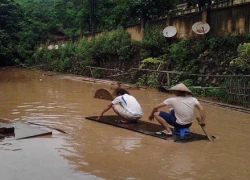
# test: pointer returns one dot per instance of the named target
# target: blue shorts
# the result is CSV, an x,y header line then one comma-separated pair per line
x,y
171,119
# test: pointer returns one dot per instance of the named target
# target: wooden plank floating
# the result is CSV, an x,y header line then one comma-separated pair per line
x,y
146,128
23,131
60,130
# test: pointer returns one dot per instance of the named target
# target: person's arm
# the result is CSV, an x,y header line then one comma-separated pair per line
x,y
202,114
104,110
155,109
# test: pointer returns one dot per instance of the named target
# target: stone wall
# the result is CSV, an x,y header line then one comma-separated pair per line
x,y
225,17
233,19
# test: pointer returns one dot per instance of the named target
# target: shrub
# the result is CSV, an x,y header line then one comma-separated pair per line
x,y
243,61
153,44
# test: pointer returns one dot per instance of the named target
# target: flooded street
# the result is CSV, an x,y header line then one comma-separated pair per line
x,y
92,150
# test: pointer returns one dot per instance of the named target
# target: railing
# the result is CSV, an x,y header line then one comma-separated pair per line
x,y
239,91
237,87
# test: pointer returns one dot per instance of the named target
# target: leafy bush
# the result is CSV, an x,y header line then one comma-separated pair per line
x,y
54,59
179,53
153,44
220,93
84,52
151,62
110,49
243,61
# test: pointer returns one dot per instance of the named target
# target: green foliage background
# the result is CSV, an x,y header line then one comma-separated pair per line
x,y
28,27
26,23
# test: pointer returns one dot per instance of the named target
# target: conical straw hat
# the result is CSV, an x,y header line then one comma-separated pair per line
x,y
180,87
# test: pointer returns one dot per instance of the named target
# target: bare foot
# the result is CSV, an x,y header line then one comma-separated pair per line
x,y
165,132
124,122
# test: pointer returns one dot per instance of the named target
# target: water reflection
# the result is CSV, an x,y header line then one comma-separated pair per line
x,y
126,143
181,163
39,158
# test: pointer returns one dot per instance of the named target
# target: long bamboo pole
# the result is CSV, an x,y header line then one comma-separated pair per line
x,y
103,68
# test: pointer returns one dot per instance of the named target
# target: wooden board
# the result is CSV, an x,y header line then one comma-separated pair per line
x,y
146,128
23,131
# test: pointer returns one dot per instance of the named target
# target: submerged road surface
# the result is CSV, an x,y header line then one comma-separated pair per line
x,y
91,150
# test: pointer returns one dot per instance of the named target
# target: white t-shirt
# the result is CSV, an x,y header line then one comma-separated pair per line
x,y
183,107
130,104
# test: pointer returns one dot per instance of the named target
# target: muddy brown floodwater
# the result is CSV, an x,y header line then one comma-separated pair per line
x,y
93,150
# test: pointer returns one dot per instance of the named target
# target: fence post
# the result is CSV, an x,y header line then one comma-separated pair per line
x,y
168,78
91,73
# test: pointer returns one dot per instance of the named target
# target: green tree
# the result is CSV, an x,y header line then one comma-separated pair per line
x,y
243,60
10,18
150,9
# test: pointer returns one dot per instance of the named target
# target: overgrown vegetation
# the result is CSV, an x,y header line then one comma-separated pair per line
x,y
188,56
24,25
109,50
243,60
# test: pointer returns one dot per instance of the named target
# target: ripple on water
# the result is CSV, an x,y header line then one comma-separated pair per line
x,y
125,144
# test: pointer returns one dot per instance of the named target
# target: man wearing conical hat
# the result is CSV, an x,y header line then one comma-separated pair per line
x,y
182,111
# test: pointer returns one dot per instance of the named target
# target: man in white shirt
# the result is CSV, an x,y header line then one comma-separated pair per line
x,y
181,115
125,106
